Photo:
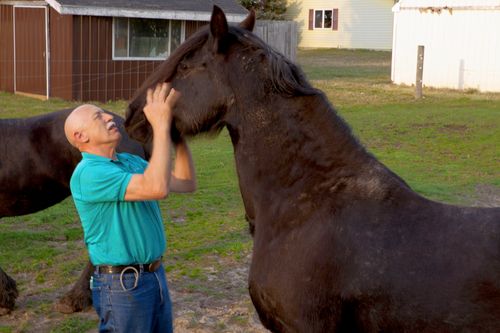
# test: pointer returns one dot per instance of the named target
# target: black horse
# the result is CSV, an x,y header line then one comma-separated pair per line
x,y
341,243
36,163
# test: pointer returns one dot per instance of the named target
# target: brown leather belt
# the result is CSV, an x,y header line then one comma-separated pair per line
x,y
106,269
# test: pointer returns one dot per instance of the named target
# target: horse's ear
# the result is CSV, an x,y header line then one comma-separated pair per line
x,y
249,22
218,23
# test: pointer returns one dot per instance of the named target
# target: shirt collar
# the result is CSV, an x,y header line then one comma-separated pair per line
x,y
89,156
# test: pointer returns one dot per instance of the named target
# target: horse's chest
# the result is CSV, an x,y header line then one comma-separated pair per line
x,y
289,281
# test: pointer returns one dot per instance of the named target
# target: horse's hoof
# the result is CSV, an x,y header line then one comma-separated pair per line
x,y
71,304
8,293
4,311
65,308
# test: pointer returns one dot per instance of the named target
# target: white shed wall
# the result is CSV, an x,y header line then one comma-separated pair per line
x,y
462,48
363,24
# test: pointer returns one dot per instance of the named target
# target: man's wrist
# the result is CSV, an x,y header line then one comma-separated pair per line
x,y
161,129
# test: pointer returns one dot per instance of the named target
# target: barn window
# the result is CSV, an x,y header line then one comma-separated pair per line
x,y
145,39
323,19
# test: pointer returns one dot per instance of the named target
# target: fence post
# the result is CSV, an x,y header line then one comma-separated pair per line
x,y
420,72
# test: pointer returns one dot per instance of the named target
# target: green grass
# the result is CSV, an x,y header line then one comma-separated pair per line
x,y
326,64
20,106
441,149
74,325
443,145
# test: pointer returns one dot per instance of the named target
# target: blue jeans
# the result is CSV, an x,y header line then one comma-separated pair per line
x,y
133,303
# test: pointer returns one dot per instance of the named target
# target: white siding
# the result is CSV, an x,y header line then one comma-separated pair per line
x,y
364,24
456,4
462,48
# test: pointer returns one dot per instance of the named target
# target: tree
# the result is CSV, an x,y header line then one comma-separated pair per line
x,y
266,9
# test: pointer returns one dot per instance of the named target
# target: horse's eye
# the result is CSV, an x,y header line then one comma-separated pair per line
x,y
183,66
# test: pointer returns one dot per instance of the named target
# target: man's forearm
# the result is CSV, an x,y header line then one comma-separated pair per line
x,y
183,162
156,174
183,176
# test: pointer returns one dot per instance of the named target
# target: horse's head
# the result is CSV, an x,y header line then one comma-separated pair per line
x,y
198,69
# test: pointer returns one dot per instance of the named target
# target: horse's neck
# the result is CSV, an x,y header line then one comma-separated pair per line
x,y
285,141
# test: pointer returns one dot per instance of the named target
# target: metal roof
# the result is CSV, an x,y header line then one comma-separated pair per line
x,y
196,10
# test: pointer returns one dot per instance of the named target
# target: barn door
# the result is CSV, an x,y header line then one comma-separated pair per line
x,y
30,50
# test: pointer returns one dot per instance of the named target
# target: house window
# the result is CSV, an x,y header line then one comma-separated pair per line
x,y
324,19
145,39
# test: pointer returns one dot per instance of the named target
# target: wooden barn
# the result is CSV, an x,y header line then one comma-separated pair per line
x,y
460,39
94,50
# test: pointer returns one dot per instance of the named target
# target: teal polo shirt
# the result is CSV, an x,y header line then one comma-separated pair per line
x,y
116,232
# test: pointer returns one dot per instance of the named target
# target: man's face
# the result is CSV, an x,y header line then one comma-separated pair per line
x,y
100,128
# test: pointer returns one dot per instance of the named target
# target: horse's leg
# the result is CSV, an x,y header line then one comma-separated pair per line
x,y
80,296
8,293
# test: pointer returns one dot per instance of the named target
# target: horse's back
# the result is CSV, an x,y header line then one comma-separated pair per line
x,y
433,261
35,163
423,259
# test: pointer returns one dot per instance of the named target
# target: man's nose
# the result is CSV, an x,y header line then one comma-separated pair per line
x,y
107,116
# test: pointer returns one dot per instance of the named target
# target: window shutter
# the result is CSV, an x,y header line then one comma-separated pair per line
x,y
335,19
311,19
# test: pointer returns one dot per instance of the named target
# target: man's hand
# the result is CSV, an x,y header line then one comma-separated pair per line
x,y
159,104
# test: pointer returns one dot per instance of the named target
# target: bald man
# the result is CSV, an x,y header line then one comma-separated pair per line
x,y
115,195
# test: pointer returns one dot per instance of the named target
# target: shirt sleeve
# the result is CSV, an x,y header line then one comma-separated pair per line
x,y
103,183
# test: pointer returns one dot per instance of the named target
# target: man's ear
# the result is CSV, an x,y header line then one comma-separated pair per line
x,y
81,137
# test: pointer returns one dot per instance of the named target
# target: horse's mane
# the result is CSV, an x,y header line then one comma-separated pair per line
x,y
285,78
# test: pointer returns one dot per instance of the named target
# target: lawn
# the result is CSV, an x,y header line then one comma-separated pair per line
x,y
444,145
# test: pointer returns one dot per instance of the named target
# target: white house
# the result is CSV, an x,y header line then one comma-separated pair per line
x,y
357,24
461,40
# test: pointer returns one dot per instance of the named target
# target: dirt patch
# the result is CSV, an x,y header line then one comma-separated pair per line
x,y
454,129
222,306
203,316
485,196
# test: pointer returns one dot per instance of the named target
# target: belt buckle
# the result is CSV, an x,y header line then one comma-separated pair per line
x,y
104,269
152,267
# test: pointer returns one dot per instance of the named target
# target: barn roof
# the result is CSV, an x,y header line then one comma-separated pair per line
x,y
195,10
447,4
